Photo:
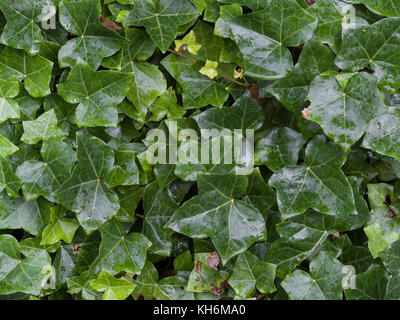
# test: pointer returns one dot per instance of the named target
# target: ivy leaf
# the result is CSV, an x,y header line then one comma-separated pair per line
x,y
93,40
98,94
60,228
244,114
43,128
162,19
9,109
113,288
200,90
31,216
330,16
34,71
298,241
262,36
293,89
373,46
316,183
205,276
344,112
391,256
382,228
21,274
42,178
147,82
383,133
279,149
210,69
8,180
190,42
7,148
251,273
21,30
120,251
384,8
158,208
85,192
216,213
370,285
323,283
170,288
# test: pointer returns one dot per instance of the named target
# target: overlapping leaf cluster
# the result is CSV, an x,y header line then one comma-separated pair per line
x,y
84,215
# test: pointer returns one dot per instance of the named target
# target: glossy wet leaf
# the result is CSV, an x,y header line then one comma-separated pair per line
x,y
19,274
93,41
113,288
383,134
97,94
373,46
9,109
316,183
280,148
34,71
60,228
22,30
262,37
149,286
161,19
324,282
85,192
42,178
251,273
344,112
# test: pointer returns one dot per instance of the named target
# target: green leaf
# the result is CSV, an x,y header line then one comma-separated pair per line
x,y
244,114
93,40
383,134
318,184
205,276
293,89
34,71
9,109
149,287
43,128
216,213
147,81
331,15
250,273
279,149
324,282
384,8
85,192
200,90
298,241
21,30
370,285
373,46
98,94
7,148
42,178
391,257
113,288
262,36
8,180
60,228
161,19
31,216
344,112
20,274
158,209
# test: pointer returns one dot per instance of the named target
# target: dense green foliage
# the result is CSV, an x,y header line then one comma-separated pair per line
x,y
85,215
